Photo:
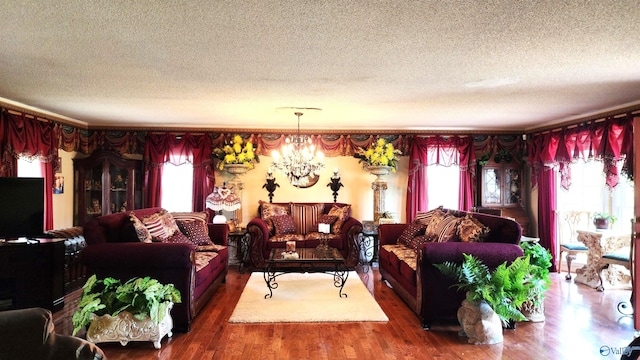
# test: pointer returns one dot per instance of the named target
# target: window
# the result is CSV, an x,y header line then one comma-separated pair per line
x,y
443,186
29,167
588,192
177,187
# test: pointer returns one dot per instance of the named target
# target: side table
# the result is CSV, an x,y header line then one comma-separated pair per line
x,y
369,243
598,243
239,241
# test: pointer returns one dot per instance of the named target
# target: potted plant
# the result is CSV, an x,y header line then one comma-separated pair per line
x,y
379,157
540,261
603,220
137,310
493,298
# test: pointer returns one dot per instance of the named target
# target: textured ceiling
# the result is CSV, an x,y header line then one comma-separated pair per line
x,y
498,64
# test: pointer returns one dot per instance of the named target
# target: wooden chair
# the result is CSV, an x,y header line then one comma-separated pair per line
x,y
622,257
573,219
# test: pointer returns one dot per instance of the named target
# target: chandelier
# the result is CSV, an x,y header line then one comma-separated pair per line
x,y
298,159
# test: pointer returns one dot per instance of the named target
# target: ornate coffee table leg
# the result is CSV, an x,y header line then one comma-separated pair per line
x,y
339,279
270,280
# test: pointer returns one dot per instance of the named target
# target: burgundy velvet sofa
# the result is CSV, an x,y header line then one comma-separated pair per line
x,y
344,232
114,250
423,287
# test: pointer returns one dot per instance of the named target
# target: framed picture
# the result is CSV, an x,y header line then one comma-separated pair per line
x,y
58,184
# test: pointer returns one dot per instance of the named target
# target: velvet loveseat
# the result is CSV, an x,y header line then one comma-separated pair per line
x,y
278,223
408,252
114,248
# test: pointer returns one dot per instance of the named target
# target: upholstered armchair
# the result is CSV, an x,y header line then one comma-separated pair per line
x,y
29,334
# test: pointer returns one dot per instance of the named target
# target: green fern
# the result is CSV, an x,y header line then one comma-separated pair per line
x,y
504,289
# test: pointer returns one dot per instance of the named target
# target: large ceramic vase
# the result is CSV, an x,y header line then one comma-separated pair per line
x,y
124,328
534,310
379,171
235,170
480,323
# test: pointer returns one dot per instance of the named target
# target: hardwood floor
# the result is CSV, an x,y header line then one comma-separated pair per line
x,y
580,322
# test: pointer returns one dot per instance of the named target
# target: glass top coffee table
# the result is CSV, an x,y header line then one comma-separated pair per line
x,y
326,260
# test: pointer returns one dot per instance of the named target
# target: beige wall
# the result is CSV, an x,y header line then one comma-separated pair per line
x,y
356,191
63,203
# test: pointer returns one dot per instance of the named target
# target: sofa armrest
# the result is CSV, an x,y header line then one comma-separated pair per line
x,y
219,233
259,233
139,255
389,233
491,254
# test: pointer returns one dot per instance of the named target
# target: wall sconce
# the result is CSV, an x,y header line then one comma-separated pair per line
x,y
271,184
335,184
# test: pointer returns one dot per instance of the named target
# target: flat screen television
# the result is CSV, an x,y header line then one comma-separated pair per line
x,y
21,207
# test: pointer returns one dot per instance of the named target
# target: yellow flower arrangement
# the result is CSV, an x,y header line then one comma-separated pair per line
x,y
236,153
379,154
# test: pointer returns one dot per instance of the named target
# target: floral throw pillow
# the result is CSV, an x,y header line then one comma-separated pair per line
x,y
196,230
471,229
342,213
269,210
141,230
283,224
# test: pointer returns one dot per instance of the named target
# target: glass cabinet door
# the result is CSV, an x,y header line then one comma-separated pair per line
x,y
491,192
513,187
93,192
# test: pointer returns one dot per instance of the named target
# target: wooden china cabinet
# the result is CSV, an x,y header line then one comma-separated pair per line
x,y
105,183
501,188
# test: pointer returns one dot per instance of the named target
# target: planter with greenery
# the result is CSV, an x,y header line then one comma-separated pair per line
x,y
540,260
603,221
504,290
137,310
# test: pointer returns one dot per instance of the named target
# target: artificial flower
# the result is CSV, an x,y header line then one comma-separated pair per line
x,y
380,153
237,152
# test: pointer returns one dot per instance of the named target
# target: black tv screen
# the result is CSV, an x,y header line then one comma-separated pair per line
x,y
21,207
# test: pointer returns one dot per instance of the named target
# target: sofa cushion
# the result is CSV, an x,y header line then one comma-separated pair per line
x,y
268,210
305,217
283,224
471,229
196,230
342,212
212,247
286,237
203,259
412,230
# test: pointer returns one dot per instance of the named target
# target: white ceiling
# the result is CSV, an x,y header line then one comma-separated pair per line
x,y
500,64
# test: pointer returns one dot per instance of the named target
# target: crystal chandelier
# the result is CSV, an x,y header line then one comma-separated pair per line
x,y
298,159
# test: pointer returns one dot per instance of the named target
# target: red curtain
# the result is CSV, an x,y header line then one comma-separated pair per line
x,y
444,151
177,150
610,141
24,136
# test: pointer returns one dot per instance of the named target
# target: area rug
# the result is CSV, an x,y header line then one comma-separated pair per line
x,y
307,297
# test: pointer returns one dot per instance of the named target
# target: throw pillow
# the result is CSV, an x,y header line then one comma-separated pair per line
x,y
436,216
471,229
425,217
342,213
169,223
283,224
325,219
179,237
141,231
202,215
415,242
412,230
305,217
268,210
446,228
196,230
155,226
